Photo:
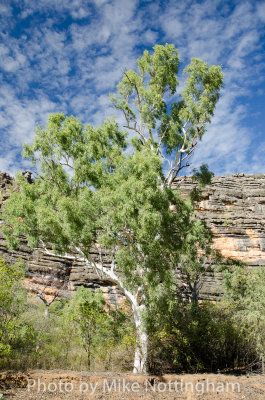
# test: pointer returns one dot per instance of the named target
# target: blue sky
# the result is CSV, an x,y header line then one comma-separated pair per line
x,y
67,55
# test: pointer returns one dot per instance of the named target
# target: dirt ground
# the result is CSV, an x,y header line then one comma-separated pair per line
x,y
69,385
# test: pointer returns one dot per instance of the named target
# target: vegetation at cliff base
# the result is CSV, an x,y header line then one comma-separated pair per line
x,y
85,333
113,186
15,329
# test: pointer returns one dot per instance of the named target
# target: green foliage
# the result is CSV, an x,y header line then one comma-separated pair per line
x,y
228,222
86,181
143,94
192,338
103,330
245,290
87,309
60,341
94,186
15,331
131,206
106,334
202,175
201,92
182,336
57,198
160,71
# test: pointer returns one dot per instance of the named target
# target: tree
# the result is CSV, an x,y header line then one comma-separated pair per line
x,y
87,309
106,186
42,288
12,305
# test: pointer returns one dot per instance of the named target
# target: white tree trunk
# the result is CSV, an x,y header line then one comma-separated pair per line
x,y
138,308
46,312
141,347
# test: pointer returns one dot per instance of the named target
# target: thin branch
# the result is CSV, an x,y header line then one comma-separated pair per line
x,y
140,108
89,213
67,165
162,137
136,130
89,261
136,88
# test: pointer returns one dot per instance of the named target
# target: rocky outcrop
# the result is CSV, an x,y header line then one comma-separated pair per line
x,y
233,207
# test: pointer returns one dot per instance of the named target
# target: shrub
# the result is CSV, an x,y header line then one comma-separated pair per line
x,y
195,338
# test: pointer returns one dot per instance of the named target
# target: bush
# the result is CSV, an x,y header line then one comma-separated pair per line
x,y
61,339
245,292
197,338
86,333
103,332
16,332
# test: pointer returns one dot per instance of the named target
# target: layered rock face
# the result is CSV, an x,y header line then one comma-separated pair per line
x,y
233,207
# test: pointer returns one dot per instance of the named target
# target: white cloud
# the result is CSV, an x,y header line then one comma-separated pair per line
x,y
226,143
233,40
41,59
18,121
261,11
78,9
57,65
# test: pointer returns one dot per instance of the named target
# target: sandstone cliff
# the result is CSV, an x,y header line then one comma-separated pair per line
x,y
233,207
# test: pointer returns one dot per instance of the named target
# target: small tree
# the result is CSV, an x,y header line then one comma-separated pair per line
x,y
102,185
87,309
12,304
42,288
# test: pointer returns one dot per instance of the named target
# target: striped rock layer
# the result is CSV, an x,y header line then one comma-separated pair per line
x,y
233,207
